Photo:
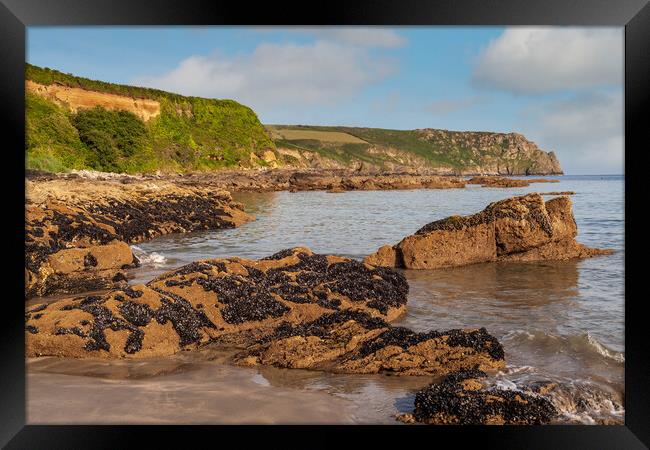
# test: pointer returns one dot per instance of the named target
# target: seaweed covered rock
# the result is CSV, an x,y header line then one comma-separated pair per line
x,y
231,301
522,228
292,309
355,342
462,398
77,230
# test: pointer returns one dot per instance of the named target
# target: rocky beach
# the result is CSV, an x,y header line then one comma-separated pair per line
x,y
292,310
180,251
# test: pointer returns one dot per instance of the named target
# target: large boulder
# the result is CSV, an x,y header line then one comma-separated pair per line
x,y
462,398
292,309
77,230
522,228
355,342
235,300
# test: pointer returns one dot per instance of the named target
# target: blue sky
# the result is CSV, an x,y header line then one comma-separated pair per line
x,y
560,87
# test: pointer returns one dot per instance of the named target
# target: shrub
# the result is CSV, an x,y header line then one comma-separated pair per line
x,y
111,135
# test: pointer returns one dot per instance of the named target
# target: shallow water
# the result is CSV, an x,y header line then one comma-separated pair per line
x,y
558,321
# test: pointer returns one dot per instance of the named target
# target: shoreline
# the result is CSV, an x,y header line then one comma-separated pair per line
x,y
296,179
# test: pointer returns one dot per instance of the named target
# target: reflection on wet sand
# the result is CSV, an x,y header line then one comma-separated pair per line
x,y
172,391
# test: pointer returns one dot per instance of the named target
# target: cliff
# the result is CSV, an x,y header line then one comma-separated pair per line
x,y
439,151
78,123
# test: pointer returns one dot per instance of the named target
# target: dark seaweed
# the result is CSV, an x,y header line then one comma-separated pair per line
x,y
138,314
475,407
244,300
184,318
322,327
72,330
90,260
479,340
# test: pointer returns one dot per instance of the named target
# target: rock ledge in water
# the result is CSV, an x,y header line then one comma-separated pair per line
x,y
516,229
292,309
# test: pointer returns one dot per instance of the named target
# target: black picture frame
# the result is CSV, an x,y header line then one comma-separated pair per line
x,y
634,15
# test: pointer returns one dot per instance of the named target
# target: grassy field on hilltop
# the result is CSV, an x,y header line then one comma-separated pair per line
x,y
455,151
336,142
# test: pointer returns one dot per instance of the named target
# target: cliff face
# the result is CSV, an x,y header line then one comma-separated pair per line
x,y
441,152
77,123
494,153
76,98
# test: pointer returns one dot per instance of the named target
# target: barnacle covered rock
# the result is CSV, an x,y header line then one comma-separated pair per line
x,y
356,342
293,309
462,398
77,230
234,301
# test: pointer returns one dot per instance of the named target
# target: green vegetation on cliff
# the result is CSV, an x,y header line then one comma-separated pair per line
x,y
190,133
67,129
452,151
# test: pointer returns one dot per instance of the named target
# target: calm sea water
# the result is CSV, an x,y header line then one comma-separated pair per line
x,y
558,321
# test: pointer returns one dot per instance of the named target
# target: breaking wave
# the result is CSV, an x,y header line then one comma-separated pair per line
x,y
151,259
577,401
583,344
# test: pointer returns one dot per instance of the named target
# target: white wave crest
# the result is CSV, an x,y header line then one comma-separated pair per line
x,y
153,259
604,351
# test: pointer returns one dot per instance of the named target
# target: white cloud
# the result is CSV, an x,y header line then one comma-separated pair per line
x,y
366,37
447,106
586,131
546,59
322,72
379,37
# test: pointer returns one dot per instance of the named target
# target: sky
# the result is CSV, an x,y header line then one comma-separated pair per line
x,y
561,87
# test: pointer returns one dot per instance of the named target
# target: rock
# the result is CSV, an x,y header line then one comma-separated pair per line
x,y
234,300
77,230
354,342
81,269
505,182
558,193
462,399
326,179
386,256
293,309
522,228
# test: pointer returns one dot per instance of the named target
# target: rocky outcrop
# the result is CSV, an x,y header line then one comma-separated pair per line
x,y
292,309
77,231
505,182
462,398
309,181
493,153
444,152
75,98
283,180
355,343
516,229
